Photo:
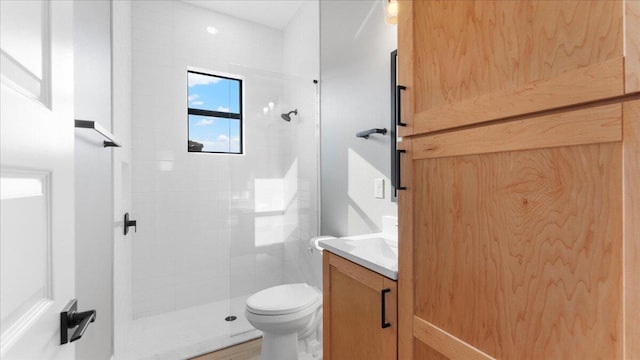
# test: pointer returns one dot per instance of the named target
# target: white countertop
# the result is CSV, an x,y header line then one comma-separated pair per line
x,y
377,251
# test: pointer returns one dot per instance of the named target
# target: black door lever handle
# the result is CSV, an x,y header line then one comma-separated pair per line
x,y
70,318
129,223
83,319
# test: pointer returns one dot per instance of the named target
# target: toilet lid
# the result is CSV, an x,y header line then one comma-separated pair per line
x,y
282,299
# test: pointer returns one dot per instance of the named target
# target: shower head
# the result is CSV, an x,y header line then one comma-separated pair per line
x,y
287,116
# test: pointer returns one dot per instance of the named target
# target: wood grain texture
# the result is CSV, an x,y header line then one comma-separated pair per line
x,y
406,284
631,203
518,253
326,305
465,49
356,272
390,339
583,85
405,64
249,350
587,126
355,311
423,352
444,343
632,46
354,328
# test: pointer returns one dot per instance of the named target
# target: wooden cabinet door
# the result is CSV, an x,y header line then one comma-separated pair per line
x,y
525,240
519,230
467,62
354,314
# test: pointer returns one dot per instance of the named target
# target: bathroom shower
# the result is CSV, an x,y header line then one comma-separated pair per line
x,y
242,223
287,116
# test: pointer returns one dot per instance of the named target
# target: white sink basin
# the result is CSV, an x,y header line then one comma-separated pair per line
x,y
377,251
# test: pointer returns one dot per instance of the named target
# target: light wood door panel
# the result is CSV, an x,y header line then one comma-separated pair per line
x,y
579,86
519,225
355,309
518,253
405,66
631,226
584,126
488,46
353,312
469,62
632,46
445,343
425,352
406,284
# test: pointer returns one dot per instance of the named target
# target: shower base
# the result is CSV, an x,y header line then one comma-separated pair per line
x,y
190,332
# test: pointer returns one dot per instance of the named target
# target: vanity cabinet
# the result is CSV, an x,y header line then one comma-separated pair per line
x,y
360,312
519,230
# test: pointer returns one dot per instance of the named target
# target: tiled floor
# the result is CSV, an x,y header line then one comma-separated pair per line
x,y
249,350
190,332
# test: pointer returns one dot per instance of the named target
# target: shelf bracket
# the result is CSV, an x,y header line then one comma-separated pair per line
x,y
88,124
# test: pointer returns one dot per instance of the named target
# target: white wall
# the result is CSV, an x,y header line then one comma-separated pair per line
x,y
94,192
355,65
121,108
210,226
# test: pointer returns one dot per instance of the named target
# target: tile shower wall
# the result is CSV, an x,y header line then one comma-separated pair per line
x,y
206,218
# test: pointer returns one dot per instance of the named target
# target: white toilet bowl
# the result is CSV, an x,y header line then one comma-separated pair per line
x,y
284,314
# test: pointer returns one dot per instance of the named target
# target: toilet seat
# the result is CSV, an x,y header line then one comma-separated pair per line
x,y
283,299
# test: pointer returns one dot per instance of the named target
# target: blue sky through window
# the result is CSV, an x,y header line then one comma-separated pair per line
x,y
214,94
216,134
234,136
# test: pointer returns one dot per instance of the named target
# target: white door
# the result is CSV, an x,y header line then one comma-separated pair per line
x,y
37,177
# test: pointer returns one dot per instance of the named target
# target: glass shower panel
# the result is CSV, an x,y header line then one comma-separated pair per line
x,y
256,203
274,191
274,184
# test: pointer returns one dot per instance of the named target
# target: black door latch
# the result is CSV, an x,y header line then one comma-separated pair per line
x,y
70,318
129,223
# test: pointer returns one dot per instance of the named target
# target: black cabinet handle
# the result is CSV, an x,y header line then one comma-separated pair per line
x,y
129,223
70,318
383,322
399,170
399,122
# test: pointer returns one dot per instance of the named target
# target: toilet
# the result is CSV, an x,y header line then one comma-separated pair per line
x,y
287,315
290,318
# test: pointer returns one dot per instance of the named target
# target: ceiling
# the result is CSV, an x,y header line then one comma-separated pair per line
x,y
272,13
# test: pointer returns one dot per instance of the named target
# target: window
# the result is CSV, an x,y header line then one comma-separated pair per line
x,y
215,113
